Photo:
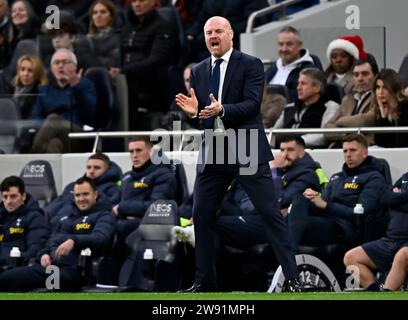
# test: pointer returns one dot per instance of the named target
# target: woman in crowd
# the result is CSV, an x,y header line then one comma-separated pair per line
x,y
29,76
391,108
105,42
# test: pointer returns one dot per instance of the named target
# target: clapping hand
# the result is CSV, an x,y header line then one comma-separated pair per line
x,y
188,104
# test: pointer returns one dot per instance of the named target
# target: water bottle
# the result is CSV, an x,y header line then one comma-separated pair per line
x,y
85,262
148,264
358,214
15,257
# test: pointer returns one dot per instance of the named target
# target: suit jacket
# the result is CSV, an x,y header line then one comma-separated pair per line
x,y
241,98
344,118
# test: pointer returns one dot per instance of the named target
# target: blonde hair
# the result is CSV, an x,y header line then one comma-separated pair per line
x,y
40,76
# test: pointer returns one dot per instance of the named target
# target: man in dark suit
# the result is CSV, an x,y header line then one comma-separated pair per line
x,y
240,80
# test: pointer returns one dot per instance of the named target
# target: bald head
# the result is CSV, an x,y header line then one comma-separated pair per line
x,y
218,36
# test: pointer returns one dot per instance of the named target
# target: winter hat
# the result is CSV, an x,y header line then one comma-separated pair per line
x,y
352,44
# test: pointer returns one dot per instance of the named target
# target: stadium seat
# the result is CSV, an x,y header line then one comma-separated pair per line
x,y
154,235
9,126
39,181
334,92
106,113
278,89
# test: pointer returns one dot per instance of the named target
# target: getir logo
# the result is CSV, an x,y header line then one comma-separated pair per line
x,y
83,226
140,185
352,185
16,230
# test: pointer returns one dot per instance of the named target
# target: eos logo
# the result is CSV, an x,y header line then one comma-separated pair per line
x,y
163,207
34,171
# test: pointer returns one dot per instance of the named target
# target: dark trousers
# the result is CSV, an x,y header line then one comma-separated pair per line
x,y
310,226
209,190
32,277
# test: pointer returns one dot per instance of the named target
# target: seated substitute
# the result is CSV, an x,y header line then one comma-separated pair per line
x,y
22,223
390,251
105,173
87,224
325,218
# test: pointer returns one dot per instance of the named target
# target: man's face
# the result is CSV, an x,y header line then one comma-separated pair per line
x,y
363,78
84,196
306,89
139,153
292,151
186,78
341,61
95,168
13,199
142,7
62,66
62,40
218,36
354,154
289,47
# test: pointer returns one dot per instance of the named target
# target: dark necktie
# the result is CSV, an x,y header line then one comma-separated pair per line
x,y
214,85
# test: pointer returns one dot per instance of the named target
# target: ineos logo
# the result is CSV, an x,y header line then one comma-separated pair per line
x,y
34,170
163,207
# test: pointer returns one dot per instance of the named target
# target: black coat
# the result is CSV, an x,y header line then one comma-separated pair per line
x,y
25,228
92,229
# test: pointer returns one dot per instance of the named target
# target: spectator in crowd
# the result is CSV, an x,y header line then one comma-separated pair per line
x,y
29,76
271,107
4,27
357,108
67,37
101,32
389,252
66,104
236,11
292,59
342,53
391,109
22,223
309,108
140,187
85,224
148,48
324,218
187,9
105,173
24,23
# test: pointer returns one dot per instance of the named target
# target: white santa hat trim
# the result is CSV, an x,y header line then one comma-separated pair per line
x,y
345,45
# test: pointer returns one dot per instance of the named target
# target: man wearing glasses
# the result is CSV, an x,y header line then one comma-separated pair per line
x,y
66,104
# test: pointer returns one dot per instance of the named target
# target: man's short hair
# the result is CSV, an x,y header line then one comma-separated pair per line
x,y
359,138
317,76
12,181
145,139
83,180
100,156
370,61
292,137
290,29
70,54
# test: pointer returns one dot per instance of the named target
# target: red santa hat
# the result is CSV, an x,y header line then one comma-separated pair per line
x,y
352,44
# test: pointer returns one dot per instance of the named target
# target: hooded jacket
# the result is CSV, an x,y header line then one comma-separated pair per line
x,y
398,204
141,187
93,228
106,184
24,228
364,184
292,181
